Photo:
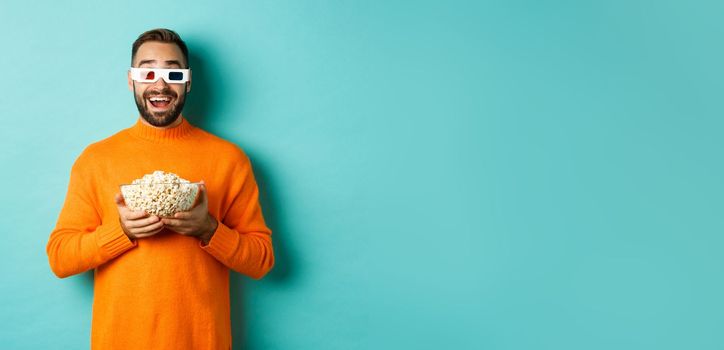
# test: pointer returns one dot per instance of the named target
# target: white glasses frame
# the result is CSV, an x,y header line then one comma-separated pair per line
x,y
140,74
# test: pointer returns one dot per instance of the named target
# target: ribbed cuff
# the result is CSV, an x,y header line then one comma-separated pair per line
x,y
113,240
223,243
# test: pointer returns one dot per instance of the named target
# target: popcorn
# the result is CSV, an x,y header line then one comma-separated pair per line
x,y
160,193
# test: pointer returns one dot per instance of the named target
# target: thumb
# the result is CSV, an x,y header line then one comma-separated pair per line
x,y
119,200
202,192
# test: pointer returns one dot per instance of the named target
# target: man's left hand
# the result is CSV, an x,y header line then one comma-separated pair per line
x,y
196,222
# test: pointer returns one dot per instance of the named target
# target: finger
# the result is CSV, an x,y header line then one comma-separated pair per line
x,y
149,228
125,212
172,222
134,215
182,215
149,234
142,222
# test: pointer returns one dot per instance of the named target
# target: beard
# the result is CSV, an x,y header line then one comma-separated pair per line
x,y
160,119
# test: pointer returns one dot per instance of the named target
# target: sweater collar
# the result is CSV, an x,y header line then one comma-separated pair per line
x,y
154,134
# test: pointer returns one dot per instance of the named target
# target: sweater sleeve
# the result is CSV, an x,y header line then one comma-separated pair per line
x,y
79,241
242,241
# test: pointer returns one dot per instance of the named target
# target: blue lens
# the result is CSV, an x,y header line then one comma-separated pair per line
x,y
175,76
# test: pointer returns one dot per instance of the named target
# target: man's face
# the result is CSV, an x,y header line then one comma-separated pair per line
x,y
159,113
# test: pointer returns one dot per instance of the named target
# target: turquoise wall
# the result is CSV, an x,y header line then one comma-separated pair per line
x,y
438,175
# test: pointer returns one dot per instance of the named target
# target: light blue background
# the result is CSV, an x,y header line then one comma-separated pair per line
x,y
469,174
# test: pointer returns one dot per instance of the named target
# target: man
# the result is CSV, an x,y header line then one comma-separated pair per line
x,y
161,283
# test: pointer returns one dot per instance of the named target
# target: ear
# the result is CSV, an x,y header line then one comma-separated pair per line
x,y
188,83
130,81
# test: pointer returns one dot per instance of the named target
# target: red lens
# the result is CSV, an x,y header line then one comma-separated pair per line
x,y
150,75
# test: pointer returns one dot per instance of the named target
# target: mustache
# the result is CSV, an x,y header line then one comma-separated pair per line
x,y
167,92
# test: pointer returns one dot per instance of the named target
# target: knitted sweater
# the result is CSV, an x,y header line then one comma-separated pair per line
x,y
168,291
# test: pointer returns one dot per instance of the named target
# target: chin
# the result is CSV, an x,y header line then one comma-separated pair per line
x,y
160,121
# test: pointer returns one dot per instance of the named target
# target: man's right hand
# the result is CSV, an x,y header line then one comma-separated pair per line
x,y
137,224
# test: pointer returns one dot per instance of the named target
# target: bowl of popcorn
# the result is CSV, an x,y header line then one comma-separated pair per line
x,y
160,193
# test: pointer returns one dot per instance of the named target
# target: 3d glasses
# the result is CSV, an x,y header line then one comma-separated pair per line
x,y
151,75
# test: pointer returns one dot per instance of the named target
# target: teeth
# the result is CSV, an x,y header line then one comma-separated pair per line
x,y
156,99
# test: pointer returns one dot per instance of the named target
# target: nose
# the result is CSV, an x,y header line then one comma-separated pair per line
x,y
160,83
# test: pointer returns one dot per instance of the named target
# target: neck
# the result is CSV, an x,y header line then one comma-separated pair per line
x,y
180,129
172,125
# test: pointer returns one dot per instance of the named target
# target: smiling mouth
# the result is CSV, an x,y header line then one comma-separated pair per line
x,y
160,101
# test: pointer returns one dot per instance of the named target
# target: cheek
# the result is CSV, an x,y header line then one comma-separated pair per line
x,y
180,89
140,89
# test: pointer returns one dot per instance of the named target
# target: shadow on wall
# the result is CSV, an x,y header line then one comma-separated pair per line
x,y
284,268
200,109
201,101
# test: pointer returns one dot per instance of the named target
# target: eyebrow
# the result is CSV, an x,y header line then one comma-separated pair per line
x,y
168,63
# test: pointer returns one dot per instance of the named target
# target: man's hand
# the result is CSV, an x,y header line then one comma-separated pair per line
x,y
137,224
196,222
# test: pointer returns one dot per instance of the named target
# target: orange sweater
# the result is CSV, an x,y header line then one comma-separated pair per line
x,y
167,291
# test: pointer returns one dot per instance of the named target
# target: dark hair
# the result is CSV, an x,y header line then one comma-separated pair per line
x,y
161,35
